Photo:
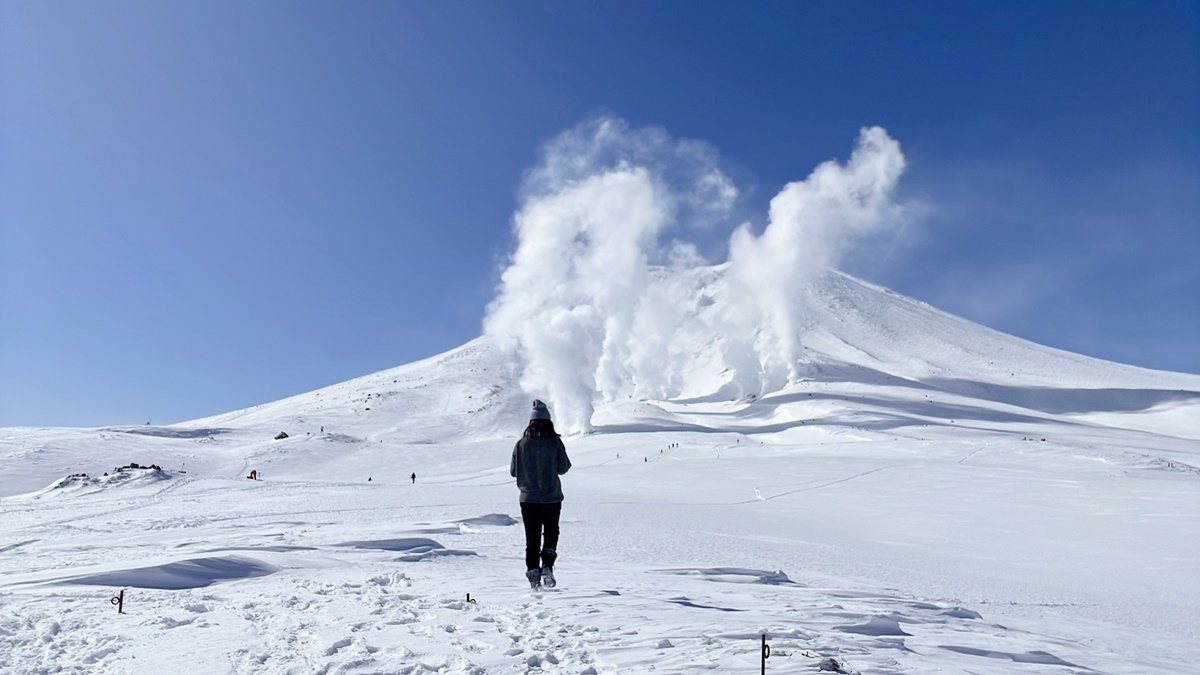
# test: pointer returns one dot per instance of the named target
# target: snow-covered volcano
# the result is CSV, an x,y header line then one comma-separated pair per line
x,y
915,493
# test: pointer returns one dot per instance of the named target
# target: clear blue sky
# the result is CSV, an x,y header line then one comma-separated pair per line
x,y
210,205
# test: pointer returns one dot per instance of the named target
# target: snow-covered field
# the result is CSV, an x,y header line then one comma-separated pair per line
x,y
932,497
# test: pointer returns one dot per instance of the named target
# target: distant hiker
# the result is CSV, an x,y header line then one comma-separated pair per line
x,y
414,477
322,429
538,459
253,474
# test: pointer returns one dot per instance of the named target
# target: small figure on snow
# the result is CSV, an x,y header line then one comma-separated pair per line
x,y
414,478
253,474
538,459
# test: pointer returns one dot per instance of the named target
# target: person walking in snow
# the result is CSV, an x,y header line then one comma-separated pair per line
x,y
538,459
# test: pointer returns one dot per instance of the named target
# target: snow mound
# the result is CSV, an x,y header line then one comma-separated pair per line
x,y
80,483
183,574
409,545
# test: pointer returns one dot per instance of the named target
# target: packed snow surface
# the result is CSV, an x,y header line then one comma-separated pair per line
x,y
928,496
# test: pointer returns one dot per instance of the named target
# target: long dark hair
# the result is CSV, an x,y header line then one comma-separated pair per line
x,y
540,429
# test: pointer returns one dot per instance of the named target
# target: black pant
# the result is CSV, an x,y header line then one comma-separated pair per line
x,y
538,517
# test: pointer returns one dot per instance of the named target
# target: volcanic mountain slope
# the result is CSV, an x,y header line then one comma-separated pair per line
x,y
891,356
873,358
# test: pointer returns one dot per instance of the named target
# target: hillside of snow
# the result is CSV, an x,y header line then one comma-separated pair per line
x,y
918,494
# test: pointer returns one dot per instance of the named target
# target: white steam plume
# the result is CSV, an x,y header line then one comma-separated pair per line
x,y
585,305
812,224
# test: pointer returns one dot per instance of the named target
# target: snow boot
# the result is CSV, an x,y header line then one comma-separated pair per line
x,y
535,578
548,558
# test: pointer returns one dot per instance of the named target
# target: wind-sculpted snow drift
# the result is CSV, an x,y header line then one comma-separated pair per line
x,y
582,307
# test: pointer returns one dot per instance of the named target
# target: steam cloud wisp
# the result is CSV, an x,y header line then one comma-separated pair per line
x,y
587,306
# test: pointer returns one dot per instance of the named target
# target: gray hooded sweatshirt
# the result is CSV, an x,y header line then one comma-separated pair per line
x,y
537,462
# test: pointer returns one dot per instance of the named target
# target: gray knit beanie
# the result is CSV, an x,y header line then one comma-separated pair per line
x,y
540,411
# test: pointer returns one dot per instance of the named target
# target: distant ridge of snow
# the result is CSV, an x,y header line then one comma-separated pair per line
x,y
862,323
